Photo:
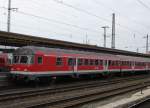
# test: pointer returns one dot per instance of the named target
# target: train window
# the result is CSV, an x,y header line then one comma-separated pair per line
x,y
117,63
59,61
9,61
127,63
71,61
105,62
40,60
109,62
122,63
86,62
101,62
113,63
91,62
16,59
31,60
80,61
24,59
96,62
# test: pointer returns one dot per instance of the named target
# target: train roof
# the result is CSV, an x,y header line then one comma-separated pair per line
x,y
31,50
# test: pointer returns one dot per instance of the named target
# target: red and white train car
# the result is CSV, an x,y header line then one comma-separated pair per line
x,y
5,62
32,62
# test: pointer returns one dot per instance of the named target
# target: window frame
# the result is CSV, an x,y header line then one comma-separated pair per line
x,y
86,62
38,60
73,62
61,62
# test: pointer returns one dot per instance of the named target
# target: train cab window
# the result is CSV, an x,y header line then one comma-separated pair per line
x,y
59,61
31,60
16,59
9,61
40,60
24,59
86,62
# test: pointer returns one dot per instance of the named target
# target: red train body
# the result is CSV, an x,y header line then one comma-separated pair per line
x,y
34,62
5,62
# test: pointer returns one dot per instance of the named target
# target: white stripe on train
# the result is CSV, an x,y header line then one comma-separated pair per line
x,y
71,72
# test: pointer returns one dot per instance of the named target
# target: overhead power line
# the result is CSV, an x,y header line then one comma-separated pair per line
x,y
49,6
56,21
98,2
94,15
143,4
82,10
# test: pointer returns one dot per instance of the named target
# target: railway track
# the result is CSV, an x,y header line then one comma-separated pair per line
x,y
72,95
4,83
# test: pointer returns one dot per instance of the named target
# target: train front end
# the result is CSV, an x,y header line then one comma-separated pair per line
x,y
22,64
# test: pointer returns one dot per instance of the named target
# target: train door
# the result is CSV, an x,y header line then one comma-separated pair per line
x,y
75,64
146,63
72,62
105,64
133,65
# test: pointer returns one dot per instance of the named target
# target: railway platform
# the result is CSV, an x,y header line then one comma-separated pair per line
x,y
140,99
144,104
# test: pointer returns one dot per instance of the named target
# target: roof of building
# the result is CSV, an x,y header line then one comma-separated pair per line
x,y
19,40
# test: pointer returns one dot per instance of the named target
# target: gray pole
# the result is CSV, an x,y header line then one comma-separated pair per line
x,y
9,16
147,43
113,31
104,27
86,39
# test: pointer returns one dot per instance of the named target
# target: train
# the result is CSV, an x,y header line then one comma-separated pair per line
x,y
34,63
5,62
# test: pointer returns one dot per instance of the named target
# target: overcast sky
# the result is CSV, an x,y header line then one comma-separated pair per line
x,y
74,20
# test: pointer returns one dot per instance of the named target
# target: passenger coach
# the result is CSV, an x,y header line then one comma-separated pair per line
x,y
31,63
5,62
